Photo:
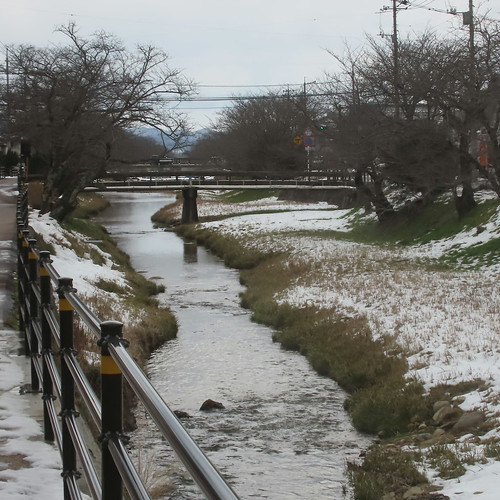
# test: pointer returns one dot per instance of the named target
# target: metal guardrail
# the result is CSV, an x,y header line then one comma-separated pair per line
x,y
43,325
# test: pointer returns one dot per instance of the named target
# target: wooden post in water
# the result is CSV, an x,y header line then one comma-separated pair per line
x,y
189,207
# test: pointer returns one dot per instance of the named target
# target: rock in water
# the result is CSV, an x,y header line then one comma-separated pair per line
x,y
182,414
210,404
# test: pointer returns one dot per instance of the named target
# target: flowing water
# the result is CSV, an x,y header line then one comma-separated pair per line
x,y
283,433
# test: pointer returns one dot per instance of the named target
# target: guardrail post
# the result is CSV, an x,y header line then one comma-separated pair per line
x,y
25,281
67,383
33,312
112,410
45,289
21,278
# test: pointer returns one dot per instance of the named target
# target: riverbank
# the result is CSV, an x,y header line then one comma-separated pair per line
x,y
433,304
107,283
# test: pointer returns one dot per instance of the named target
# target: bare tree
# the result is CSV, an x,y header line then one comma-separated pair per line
x,y
487,113
258,133
426,145
71,103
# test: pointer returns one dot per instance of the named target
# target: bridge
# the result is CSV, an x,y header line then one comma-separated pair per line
x,y
190,178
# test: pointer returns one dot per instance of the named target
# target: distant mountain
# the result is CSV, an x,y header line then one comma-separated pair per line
x,y
155,135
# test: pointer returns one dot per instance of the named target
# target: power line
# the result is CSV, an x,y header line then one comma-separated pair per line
x,y
283,85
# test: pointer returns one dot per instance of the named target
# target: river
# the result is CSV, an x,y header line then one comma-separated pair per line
x,y
283,432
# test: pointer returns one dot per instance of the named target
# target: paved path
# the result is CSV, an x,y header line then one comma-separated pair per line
x,y
29,467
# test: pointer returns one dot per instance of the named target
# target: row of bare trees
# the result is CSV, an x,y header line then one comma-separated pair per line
x,y
76,105
414,130
414,135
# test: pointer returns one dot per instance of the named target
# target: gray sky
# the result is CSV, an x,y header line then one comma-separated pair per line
x,y
230,43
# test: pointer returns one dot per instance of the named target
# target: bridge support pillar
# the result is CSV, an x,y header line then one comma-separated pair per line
x,y
189,207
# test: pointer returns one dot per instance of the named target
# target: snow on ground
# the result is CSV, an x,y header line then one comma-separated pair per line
x,y
31,467
87,272
447,321
84,271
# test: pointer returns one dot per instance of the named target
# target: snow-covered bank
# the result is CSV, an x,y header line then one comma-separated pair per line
x,y
83,269
447,321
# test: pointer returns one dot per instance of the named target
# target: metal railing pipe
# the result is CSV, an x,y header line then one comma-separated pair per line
x,y
51,409
37,367
71,486
54,375
83,454
54,275
46,342
33,312
87,316
91,400
36,328
53,323
41,324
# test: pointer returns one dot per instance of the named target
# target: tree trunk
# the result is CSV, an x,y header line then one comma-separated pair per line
x,y
465,202
383,208
61,190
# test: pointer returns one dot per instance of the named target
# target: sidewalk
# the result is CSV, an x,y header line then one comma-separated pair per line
x,y
29,467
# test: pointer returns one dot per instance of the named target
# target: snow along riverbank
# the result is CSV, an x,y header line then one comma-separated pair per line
x,y
448,321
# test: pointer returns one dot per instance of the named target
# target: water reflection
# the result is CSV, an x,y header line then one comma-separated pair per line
x,y
190,252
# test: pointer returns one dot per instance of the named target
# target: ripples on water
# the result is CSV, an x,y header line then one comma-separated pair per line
x,y
283,433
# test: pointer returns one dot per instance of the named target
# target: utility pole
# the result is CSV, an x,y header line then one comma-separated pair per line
x,y
395,48
471,39
7,97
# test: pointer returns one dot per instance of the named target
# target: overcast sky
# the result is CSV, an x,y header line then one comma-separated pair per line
x,y
222,42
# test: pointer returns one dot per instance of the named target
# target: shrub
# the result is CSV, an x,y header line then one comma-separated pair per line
x,y
387,407
384,470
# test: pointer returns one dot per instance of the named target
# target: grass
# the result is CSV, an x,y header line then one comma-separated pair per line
x,y
437,221
482,254
89,204
446,461
234,255
338,347
381,399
